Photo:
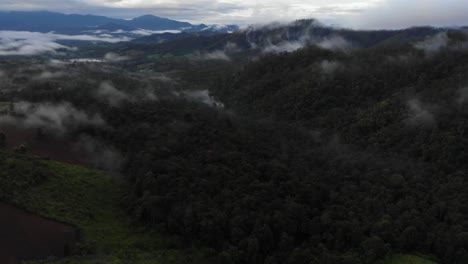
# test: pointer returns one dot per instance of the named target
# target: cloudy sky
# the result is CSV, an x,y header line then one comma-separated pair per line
x,y
347,13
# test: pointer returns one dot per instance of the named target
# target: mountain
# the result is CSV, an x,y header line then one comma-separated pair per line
x,y
277,38
44,21
167,37
151,22
48,21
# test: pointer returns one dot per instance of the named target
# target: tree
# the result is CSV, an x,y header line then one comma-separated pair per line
x,y
2,140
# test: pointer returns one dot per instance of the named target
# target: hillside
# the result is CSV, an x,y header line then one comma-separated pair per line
x,y
88,200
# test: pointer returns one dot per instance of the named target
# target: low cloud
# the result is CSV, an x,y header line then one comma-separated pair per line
x,y
284,46
335,43
222,54
161,77
329,67
112,95
53,117
145,32
278,38
202,96
462,96
419,114
433,44
49,75
113,57
100,155
215,55
24,43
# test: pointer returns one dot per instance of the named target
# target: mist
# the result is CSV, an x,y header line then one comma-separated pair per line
x,y
335,43
215,55
419,114
99,154
50,75
284,46
24,43
112,95
113,57
462,96
433,44
329,67
222,54
202,96
58,118
278,37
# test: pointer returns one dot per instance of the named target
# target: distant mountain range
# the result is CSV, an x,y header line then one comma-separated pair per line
x,y
43,21
278,38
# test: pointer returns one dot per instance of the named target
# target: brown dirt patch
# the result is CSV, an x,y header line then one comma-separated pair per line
x,y
26,236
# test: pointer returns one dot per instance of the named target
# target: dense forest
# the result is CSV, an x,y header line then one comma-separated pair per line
x,y
375,163
316,155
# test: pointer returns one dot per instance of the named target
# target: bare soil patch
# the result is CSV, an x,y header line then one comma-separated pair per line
x,y
26,236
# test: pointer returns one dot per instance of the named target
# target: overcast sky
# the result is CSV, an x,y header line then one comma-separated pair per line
x,y
346,13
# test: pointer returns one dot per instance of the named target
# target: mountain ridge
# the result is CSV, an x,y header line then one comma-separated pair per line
x,y
46,21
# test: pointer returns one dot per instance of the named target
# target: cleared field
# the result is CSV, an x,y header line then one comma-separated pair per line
x,y
5,107
408,259
89,200
26,236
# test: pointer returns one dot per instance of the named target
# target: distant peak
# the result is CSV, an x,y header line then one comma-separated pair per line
x,y
148,17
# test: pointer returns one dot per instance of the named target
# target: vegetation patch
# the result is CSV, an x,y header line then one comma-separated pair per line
x,y
407,259
89,200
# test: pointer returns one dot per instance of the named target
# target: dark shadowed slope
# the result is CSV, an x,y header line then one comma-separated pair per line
x,y
25,236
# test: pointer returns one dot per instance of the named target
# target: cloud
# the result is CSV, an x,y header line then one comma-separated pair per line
x,y
113,57
198,11
335,43
418,113
51,116
26,47
433,44
49,75
222,54
329,67
159,76
145,32
397,14
368,14
112,95
202,96
16,43
215,55
101,155
462,96
284,46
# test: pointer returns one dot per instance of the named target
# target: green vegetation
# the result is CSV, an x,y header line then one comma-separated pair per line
x,y
407,259
5,107
89,200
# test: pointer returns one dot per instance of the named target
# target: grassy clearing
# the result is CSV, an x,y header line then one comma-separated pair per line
x,y
5,107
407,259
89,200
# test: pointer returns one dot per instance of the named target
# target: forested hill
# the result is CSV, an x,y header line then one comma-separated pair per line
x,y
289,37
409,100
333,155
